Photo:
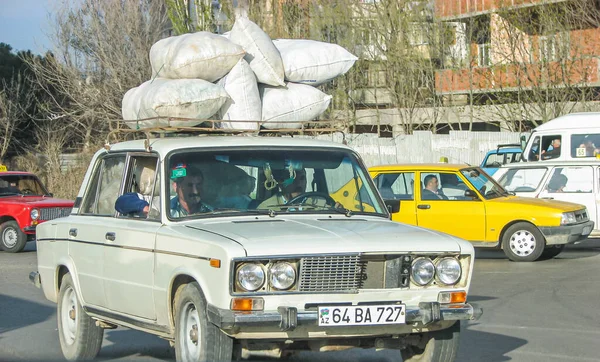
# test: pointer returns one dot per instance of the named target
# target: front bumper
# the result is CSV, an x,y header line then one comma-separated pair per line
x,y
288,318
567,234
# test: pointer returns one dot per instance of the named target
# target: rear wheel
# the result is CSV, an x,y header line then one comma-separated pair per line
x,y
12,239
80,338
196,339
523,242
439,346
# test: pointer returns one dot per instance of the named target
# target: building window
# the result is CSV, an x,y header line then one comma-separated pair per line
x,y
483,55
555,47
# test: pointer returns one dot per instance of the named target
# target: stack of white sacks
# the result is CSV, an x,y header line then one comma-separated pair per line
x,y
241,76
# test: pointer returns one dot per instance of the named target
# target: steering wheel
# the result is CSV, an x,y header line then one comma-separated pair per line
x,y
301,199
495,164
27,192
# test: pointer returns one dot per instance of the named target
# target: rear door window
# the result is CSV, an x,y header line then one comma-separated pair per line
x,y
585,145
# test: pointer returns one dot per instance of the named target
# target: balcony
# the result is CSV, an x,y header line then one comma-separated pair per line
x,y
458,9
515,77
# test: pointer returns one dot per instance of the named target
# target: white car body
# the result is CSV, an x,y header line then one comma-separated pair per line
x,y
532,179
126,271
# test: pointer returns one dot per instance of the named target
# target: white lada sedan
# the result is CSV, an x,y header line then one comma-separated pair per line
x,y
229,246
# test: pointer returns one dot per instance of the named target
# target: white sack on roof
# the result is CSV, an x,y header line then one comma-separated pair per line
x,y
200,55
261,53
245,103
283,107
186,98
313,62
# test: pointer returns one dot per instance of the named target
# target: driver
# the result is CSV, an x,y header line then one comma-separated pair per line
x,y
288,189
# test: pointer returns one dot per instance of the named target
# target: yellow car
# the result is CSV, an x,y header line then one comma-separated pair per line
x,y
467,203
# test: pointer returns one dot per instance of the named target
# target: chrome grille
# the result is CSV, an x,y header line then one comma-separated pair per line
x,y
50,213
337,273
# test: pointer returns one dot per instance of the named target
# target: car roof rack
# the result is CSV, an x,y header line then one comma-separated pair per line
x,y
508,145
213,127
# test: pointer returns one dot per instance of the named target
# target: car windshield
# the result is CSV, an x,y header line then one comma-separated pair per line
x,y
483,182
11,185
279,180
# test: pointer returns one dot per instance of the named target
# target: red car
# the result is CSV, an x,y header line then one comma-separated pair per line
x,y
25,203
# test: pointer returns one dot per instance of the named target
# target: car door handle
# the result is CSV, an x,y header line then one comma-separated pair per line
x,y
73,232
547,198
423,206
110,236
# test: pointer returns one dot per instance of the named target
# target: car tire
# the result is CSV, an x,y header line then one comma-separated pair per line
x,y
523,242
80,337
436,346
552,251
197,339
12,239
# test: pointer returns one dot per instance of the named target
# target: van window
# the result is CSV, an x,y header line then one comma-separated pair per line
x,y
584,145
522,179
571,179
550,147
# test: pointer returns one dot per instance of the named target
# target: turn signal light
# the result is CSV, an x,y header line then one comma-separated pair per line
x,y
247,304
215,263
452,297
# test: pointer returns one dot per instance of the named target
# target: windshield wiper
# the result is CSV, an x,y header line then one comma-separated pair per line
x,y
269,212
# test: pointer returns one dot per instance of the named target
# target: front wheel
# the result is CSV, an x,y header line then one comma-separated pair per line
x,y
80,338
523,242
12,239
196,339
439,346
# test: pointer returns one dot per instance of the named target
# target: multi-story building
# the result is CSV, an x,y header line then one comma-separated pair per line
x,y
518,63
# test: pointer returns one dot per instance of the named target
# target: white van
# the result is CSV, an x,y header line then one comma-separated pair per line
x,y
574,136
572,181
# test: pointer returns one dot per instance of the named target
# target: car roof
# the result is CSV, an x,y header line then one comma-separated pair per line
x,y
421,166
552,163
168,144
571,121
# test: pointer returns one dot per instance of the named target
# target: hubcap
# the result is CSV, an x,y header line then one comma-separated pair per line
x,y
9,237
69,316
522,243
190,332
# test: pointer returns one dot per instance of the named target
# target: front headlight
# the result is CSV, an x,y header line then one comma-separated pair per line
x,y
448,271
35,213
251,277
568,218
423,271
283,275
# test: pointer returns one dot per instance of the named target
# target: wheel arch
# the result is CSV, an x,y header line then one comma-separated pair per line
x,y
6,218
501,237
179,281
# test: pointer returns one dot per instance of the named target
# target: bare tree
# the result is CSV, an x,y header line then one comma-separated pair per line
x,y
15,100
102,49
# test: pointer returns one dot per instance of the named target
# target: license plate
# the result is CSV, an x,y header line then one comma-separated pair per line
x,y
362,315
587,230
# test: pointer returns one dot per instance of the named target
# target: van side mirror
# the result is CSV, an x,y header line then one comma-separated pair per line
x,y
471,194
393,206
523,142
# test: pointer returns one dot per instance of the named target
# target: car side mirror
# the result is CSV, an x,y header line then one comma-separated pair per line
x,y
472,194
393,206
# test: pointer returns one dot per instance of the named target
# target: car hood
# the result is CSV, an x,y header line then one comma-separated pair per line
x,y
287,236
36,201
562,206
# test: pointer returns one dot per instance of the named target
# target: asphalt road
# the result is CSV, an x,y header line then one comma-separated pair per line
x,y
535,312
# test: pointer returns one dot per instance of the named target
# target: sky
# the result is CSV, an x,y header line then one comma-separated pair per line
x,y
24,24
